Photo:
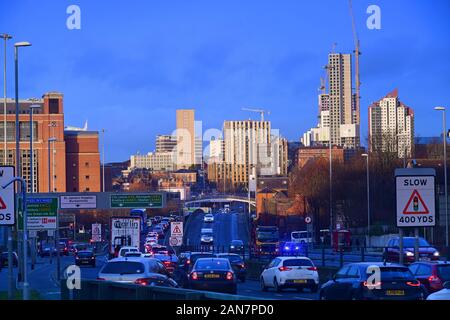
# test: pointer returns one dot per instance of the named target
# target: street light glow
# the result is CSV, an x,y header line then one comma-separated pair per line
x,y
22,44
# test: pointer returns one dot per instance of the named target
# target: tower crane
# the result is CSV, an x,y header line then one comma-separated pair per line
x,y
357,53
260,111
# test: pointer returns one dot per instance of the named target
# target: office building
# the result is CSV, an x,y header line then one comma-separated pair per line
x,y
391,126
186,142
154,161
165,143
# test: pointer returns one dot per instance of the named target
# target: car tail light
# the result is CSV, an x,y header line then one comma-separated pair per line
x,y
188,261
141,281
194,276
372,285
413,283
284,268
100,278
434,280
167,263
241,265
312,268
229,275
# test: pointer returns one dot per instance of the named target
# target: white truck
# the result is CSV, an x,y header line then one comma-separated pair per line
x,y
301,237
125,231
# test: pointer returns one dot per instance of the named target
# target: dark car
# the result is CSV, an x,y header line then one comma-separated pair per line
x,y
169,261
213,274
432,275
236,246
158,280
63,248
185,263
426,251
237,263
85,258
160,231
352,282
47,249
4,259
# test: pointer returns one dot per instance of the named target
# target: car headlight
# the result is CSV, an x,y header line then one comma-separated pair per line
x,y
409,254
436,254
232,247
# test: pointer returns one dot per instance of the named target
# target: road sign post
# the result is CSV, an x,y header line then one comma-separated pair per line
x,y
416,202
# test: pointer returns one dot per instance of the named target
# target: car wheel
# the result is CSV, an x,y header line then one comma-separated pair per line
x,y
262,284
276,286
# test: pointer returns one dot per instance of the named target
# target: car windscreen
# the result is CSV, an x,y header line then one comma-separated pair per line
x,y
444,272
233,258
85,254
297,263
271,235
410,243
194,257
396,273
212,264
124,267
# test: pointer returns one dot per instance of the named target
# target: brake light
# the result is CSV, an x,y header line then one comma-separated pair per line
x,y
229,275
167,263
284,268
433,279
141,281
312,268
372,285
194,276
188,261
413,283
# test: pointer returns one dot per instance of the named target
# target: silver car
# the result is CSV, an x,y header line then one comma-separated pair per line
x,y
208,218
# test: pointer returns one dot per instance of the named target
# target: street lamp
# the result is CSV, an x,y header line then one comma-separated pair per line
x,y
5,37
32,108
366,155
18,45
444,138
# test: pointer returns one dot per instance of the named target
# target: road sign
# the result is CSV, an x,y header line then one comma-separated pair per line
x,y
415,199
78,202
96,232
41,213
7,200
176,229
176,241
136,200
308,219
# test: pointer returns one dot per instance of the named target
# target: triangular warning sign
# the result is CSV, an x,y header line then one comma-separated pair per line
x,y
2,204
176,229
415,204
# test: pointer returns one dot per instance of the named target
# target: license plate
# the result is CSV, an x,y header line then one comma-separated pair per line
x,y
300,281
395,292
424,259
212,276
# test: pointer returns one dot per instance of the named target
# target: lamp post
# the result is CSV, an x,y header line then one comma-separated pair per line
x,y
444,138
366,155
5,37
17,45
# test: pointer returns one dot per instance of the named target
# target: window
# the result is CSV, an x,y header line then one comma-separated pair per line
x,y
87,189
87,177
86,164
53,105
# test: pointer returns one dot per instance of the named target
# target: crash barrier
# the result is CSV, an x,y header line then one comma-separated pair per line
x,y
106,290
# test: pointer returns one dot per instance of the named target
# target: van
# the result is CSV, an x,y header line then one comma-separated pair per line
x,y
301,236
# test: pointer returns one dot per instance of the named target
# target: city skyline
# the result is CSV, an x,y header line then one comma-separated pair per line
x,y
220,59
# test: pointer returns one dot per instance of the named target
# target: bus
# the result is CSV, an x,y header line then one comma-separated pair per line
x,y
142,214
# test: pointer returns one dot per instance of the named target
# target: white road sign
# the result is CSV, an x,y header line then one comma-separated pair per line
x,y
41,223
78,202
96,232
308,219
7,203
176,229
176,241
415,201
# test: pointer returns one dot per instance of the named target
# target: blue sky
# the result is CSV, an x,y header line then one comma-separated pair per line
x,y
134,62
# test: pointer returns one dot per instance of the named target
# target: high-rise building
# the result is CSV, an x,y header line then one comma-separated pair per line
x,y
83,172
216,150
186,141
391,126
165,143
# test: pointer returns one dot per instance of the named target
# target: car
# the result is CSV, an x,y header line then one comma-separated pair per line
x,y
290,272
432,275
236,246
47,249
63,248
293,248
426,251
152,234
443,294
160,231
4,259
125,250
358,281
206,236
157,219
132,270
213,274
85,257
169,261
208,218
165,225
237,263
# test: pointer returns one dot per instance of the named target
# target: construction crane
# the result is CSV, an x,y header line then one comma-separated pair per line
x,y
357,53
260,111
324,78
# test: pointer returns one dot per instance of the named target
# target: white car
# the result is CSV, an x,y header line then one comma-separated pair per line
x,y
125,250
208,218
133,255
443,294
290,272
207,236
130,270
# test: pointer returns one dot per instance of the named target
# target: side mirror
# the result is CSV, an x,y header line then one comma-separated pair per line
x,y
446,285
